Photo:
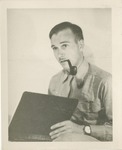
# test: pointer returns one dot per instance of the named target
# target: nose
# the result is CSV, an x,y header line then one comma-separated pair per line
x,y
60,53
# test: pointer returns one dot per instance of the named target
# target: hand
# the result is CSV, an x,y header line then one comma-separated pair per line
x,y
65,127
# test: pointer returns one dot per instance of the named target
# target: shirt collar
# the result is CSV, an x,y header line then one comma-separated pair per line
x,y
65,76
82,70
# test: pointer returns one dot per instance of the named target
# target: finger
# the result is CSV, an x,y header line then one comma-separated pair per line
x,y
60,124
61,129
55,136
59,134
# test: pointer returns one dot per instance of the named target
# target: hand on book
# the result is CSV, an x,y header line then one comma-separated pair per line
x,y
65,127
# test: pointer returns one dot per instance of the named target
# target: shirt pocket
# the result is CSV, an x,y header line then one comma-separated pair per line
x,y
84,102
87,103
95,106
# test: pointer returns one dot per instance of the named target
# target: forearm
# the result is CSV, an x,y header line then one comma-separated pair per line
x,y
102,132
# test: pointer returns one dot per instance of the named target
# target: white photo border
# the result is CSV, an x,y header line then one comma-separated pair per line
x,y
116,65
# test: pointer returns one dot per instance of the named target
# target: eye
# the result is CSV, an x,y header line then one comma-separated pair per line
x,y
55,48
64,46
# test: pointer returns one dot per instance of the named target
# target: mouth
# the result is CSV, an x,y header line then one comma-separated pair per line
x,y
63,60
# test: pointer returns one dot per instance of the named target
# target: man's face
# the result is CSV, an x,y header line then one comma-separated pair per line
x,y
65,46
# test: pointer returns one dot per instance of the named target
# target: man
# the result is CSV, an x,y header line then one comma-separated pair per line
x,y
92,119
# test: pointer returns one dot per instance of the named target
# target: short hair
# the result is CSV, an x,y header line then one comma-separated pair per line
x,y
67,25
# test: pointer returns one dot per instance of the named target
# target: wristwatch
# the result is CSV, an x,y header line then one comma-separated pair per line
x,y
87,129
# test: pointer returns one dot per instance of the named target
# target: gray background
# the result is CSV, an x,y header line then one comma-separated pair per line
x,y
31,63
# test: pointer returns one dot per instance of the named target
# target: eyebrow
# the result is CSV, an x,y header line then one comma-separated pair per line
x,y
64,42
61,43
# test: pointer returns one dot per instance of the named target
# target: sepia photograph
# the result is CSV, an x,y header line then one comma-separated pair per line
x,y
59,76
30,49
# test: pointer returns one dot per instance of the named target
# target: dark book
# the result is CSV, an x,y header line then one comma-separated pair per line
x,y
36,113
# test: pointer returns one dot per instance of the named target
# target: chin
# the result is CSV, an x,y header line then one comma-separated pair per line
x,y
65,66
66,69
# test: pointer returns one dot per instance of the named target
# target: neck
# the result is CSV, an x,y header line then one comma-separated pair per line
x,y
80,61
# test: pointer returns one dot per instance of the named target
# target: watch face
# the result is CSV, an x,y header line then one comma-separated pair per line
x,y
87,129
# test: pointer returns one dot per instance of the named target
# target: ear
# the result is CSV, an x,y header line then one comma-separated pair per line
x,y
81,44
